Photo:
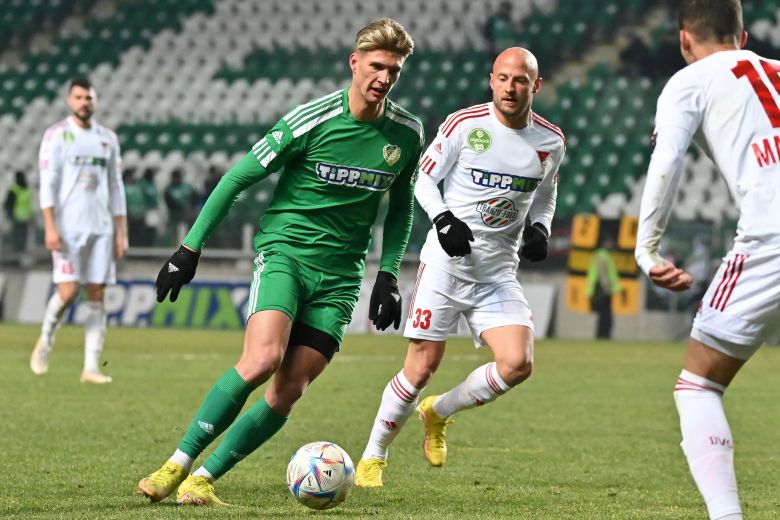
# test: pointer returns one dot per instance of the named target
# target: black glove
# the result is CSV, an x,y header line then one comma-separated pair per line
x,y
534,243
178,270
454,234
386,295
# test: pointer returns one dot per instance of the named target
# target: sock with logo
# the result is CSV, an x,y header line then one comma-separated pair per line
x,y
398,402
220,408
94,334
482,386
250,431
52,318
707,443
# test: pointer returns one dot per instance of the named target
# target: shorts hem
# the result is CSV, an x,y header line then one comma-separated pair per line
x,y
273,308
744,341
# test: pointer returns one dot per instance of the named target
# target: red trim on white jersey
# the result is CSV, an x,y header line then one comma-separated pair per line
x,y
727,283
549,126
427,164
459,117
416,285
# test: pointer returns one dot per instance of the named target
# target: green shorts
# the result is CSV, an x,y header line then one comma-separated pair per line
x,y
310,297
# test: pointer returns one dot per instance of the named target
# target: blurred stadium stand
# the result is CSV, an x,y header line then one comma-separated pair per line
x,y
193,83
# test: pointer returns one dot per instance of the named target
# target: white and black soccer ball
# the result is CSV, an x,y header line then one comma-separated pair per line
x,y
320,475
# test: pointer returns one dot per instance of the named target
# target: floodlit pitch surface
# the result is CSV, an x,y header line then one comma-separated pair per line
x,y
592,435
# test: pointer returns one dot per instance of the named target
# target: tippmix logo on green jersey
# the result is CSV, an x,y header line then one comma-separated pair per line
x,y
364,178
479,140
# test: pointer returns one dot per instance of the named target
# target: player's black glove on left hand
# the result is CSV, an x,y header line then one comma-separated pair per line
x,y
454,234
534,243
386,296
177,271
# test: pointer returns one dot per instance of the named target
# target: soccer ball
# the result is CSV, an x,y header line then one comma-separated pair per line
x,y
320,475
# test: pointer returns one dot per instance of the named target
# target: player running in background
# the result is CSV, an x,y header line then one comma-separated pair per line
x,y
83,202
726,100
499,163
341,153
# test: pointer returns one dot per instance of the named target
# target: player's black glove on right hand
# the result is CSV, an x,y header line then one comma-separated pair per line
x,y
534,243
177,271
454,234
386,295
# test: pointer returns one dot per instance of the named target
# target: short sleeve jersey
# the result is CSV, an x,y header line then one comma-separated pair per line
x,y
729,104
336,169
491,174
80,176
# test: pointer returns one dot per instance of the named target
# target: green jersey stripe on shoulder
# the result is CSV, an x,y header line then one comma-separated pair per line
x,y
314,121
307,108
414,124
259,145
262,153
395,107
313,114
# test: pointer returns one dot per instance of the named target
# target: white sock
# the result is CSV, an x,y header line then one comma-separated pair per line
x,y
482,386
398,402
707,443
94,334
203,472
52,318
182,459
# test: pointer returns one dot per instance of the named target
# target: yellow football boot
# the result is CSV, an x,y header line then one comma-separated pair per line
x,y
198,491
369,473
435,437
162,482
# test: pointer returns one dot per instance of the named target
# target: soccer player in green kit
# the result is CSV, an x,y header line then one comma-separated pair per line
x,y
339,154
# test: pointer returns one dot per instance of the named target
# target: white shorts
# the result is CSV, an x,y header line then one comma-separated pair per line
x,y
439,299
741,309
85,259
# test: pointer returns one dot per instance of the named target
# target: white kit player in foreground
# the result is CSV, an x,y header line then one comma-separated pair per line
x,y
83,202
499,163
727,100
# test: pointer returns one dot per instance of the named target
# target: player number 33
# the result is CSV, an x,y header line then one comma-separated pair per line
x,y
422,319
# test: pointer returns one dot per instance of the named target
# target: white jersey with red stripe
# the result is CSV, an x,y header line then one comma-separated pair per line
x,y
81,178
493,177
729,104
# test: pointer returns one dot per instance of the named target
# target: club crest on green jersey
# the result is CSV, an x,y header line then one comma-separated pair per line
x,y
479,140
391,153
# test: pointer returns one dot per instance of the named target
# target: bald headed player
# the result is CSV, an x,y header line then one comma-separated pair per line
x,y
499,162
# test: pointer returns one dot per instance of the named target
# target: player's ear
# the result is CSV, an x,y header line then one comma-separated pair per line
x,y
743,39
353,59
537,85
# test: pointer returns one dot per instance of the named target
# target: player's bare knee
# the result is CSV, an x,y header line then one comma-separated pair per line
x,y
257,366
515,371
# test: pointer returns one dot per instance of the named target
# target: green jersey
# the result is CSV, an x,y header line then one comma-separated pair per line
x,y
335,169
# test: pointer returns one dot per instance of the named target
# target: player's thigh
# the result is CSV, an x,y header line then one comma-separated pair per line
x,y
277,284
327,309
741,308
97,260
497,305
67,262
437,300
512,345
265,342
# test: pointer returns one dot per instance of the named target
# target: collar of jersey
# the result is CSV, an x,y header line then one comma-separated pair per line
x,y
348,114
503,127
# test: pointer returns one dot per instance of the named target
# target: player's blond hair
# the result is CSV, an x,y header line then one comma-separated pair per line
x,y
384,34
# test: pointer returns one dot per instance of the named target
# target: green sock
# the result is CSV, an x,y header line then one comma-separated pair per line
x,y
256,426
219,409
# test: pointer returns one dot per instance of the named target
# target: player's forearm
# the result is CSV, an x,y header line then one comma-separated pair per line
x,y
663,180
397,227
427,194
543,206
49,222
247,172
120,225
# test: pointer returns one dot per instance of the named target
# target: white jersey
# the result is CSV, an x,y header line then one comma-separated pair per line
x,y
729,104
493,177
80,175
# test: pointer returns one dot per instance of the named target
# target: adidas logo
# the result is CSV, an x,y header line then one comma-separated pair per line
x,y
443,231
172,268
237,456
206,427
277,136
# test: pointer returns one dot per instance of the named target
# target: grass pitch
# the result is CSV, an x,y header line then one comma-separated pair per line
x,y
592,435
